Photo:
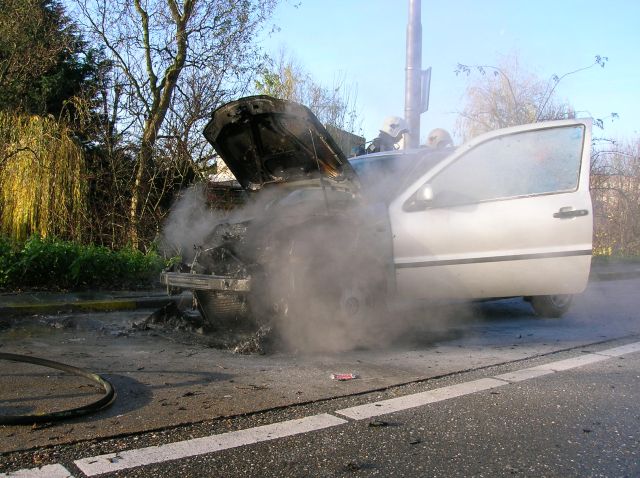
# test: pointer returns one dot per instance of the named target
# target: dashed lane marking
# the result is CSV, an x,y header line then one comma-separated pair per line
x,y
568,364
48,471
112,462
622,350
384,407
199,446
521,375
419,399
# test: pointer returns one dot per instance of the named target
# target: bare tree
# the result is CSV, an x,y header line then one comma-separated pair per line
x,y
285,78
615,186
176,59
507,95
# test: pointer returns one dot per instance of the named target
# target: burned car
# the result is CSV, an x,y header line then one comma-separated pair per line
x,y
506,215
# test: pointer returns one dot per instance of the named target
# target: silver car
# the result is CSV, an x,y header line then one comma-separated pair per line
x,y
507,214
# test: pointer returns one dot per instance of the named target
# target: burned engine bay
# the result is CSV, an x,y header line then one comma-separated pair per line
x,y
305,247
302,245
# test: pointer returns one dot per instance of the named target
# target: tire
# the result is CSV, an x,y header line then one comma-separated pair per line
x,y
324,290
362,294
222,309
551,306
339,309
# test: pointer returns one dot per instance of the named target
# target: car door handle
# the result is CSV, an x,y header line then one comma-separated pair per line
x,y
568,212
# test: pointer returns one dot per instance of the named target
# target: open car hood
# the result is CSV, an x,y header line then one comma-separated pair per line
x,y
266,140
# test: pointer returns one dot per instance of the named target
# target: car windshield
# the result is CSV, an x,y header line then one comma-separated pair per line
x,y
383,176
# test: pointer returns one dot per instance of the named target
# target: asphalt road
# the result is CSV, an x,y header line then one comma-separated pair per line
x,y
499,393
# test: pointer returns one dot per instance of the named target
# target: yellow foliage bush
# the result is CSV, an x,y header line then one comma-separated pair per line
x,y
42,179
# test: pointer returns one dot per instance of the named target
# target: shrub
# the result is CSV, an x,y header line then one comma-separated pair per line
x,y
94,266
56,264
44,263
6,261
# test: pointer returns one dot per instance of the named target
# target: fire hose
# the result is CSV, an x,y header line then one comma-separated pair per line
x,y
103,402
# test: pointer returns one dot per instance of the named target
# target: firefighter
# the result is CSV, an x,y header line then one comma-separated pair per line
x,y
391,133
439,138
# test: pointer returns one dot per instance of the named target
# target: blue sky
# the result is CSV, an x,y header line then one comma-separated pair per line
x,y
364,42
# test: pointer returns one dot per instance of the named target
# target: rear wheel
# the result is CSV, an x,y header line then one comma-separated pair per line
x,y
552,306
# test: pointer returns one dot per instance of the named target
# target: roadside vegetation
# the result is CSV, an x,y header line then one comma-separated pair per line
x,y
54,264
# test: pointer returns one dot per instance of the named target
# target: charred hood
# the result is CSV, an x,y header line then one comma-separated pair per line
x,y
266,140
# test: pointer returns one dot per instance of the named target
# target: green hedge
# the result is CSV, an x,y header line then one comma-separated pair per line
x,y
56,264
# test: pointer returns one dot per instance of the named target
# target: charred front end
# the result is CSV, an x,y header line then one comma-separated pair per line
x,y
303,219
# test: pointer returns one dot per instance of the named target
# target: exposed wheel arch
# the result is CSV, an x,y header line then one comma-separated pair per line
x,y
551,306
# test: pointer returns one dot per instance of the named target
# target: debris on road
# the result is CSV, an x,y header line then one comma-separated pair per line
x,y
351,466
378,423
343,377
255,344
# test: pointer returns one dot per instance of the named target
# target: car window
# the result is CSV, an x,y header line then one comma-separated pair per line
x,y
521,164
384,176
378,175
373,169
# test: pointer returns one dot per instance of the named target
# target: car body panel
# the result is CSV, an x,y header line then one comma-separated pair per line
x,y
503,246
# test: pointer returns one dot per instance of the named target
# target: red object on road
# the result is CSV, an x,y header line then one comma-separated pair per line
x,y
343,376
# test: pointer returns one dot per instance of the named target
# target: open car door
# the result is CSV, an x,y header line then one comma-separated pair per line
x,y
508,214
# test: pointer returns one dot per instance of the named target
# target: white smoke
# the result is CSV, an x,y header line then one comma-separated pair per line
x,y
188,224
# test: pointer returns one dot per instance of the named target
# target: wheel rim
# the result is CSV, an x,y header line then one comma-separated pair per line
x,y
560,301
352,302
351,306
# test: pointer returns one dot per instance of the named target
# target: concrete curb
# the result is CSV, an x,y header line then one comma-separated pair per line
x,y
605,270
85,305
618,275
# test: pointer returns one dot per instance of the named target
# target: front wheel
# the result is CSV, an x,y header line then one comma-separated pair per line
x,y
222,309
552,306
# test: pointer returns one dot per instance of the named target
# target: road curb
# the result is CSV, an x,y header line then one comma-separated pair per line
x,y
85,305
618,275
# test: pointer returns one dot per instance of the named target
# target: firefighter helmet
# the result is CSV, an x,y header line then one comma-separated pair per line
x,y
394,126
439,138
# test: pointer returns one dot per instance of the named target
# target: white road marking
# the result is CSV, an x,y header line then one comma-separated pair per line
x,y
47,471
198,446
419,399
622,350
521,375
568,364
112,462
384,407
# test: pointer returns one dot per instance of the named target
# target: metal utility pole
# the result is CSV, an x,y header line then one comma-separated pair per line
x,y
417,82
413,73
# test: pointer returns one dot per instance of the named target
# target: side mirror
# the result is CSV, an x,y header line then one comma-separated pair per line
x,y
424,195
422,199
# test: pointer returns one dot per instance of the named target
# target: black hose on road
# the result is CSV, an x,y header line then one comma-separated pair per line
x,y
106,400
